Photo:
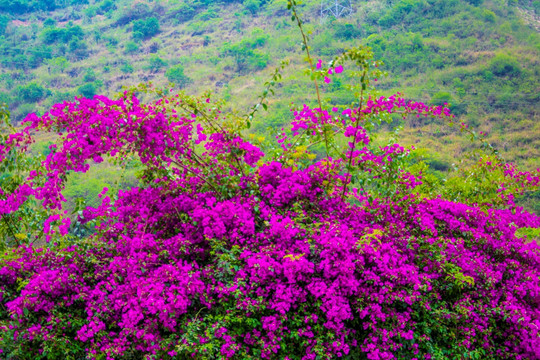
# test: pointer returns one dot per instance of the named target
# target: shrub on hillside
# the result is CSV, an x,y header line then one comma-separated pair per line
x,y
155,63
176,75
4,21
347,31
252,6
32,92
88,90
131,47
182,12
504,65
146,27
52,34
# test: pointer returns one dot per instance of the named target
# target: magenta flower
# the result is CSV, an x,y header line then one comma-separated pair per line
x,y
223,251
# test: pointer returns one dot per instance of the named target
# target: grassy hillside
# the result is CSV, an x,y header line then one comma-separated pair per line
x,y
479,56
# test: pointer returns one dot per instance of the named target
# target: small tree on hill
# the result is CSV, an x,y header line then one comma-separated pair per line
x,y
32,92
155,63
176,75
88,90
58,64
145,28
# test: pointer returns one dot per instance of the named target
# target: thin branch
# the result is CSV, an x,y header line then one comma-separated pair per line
x,y
358,115
310,61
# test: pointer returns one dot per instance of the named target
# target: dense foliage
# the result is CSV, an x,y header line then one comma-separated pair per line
x,y
233,247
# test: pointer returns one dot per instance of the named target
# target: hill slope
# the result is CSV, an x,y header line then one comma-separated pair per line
x,y
480,56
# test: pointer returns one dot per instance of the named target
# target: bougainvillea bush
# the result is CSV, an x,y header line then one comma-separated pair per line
x,y
317,245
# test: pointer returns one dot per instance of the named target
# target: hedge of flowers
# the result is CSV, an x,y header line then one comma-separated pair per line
x,y
229,249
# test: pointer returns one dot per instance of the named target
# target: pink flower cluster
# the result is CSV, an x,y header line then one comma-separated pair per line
x,y
227,254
